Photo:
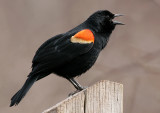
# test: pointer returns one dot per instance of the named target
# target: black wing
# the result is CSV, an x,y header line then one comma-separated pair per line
x,y
44,47
56,52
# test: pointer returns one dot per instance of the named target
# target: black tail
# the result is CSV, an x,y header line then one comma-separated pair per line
x,y
22,92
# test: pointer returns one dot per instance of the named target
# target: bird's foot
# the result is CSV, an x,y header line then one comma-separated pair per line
x,y
80,89
72,93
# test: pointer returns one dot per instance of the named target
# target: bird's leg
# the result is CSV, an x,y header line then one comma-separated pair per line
x,y
76,84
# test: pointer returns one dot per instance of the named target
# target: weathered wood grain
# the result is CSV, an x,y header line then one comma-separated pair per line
x,y
102,97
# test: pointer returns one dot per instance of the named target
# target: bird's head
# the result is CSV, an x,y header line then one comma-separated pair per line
x,y
102,21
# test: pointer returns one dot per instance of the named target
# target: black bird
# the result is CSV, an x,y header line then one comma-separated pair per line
x,y
72,53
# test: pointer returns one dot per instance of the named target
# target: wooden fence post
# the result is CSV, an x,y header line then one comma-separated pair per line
x,y
103,97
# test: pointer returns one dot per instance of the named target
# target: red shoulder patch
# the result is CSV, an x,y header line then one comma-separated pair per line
x,y
85,35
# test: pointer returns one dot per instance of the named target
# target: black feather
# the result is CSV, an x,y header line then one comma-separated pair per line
x,y
22,92
66,59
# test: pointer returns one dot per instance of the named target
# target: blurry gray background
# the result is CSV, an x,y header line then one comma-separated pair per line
x,y
132,56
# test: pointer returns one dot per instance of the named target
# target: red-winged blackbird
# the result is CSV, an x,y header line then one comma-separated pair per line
x,y
72,53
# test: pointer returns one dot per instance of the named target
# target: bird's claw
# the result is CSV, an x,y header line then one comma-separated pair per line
x,y
80,89
72,93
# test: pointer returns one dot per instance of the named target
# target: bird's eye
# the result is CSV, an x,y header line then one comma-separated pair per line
x,y
107,16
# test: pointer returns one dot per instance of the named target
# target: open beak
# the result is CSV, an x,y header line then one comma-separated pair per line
x,y
117,15
116,22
